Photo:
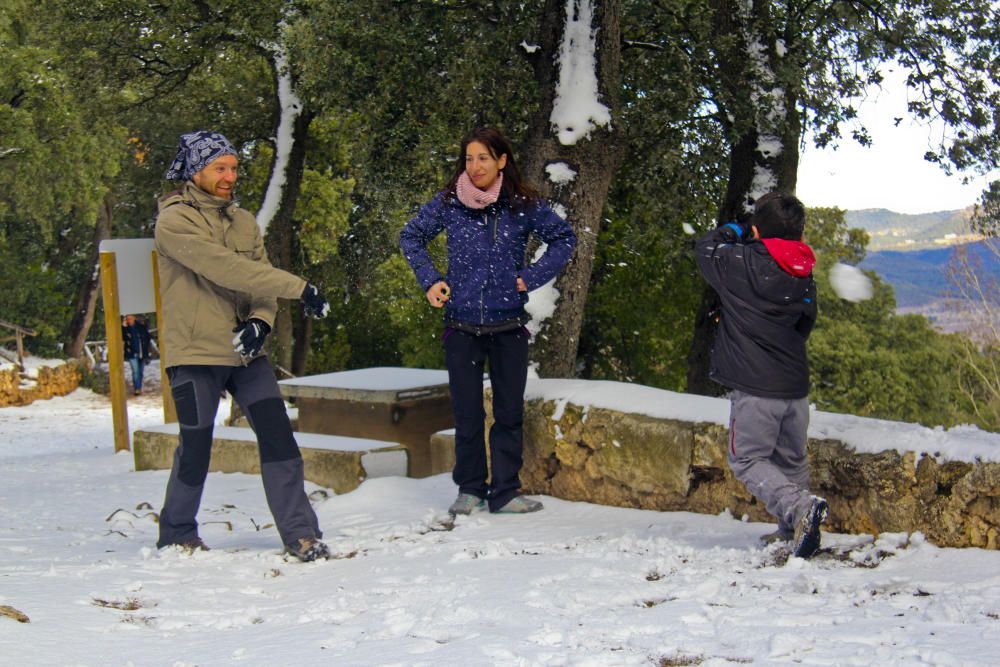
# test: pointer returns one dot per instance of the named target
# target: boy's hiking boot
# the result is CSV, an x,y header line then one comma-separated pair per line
x,y
807,534
782,534
465,504
308,549
519,505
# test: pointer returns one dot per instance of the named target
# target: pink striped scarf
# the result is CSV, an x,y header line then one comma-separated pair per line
x,y
472,196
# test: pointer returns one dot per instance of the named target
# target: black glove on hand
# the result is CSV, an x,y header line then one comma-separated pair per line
x,y
250,335
314,304
734,232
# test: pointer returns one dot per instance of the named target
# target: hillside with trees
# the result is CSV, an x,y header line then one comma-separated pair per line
x,y
906,231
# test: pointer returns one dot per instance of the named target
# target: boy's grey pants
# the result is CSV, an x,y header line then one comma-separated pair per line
x,y
767,452
196,391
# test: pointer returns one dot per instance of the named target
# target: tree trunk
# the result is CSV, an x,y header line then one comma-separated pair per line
x,y
741,165
743,83
85,303
303,333
281,243
593,158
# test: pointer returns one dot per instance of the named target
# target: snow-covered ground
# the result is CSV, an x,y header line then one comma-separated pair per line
x,y
576,584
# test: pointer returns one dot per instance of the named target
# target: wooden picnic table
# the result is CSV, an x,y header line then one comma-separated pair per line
x,y
404,405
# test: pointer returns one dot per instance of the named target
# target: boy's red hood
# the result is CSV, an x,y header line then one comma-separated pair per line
x,y
795,257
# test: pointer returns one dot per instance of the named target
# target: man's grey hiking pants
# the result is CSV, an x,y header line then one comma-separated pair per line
x,y
197,390
767,452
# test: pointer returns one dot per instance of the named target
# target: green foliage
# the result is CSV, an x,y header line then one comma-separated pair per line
x,y
330,347
397,294
394,87
323,210
895,368
405,75
979,368
95,379
866,360
829,236
640,310
57,158
986,217
93,94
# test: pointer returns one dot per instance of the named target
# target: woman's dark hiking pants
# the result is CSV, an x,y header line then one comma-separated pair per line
x,y
507,353
197,391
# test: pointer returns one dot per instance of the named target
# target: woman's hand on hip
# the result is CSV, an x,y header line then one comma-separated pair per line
x,y
437,295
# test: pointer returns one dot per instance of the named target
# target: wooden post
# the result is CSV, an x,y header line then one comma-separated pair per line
x,y
20,349
169,409
116,351
18,337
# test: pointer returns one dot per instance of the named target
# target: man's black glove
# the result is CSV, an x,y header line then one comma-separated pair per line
x,y
314,304
250,335
735,232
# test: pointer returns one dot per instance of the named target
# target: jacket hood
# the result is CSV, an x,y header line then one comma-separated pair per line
x,y
794,257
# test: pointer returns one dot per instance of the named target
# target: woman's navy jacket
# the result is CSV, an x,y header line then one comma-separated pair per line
x,y
486,249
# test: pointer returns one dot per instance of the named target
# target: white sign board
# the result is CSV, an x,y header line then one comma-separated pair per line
x,y
134,263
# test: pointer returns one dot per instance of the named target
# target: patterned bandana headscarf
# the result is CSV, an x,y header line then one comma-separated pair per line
x,y
196,151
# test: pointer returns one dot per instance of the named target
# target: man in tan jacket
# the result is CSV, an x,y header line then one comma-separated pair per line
x,y
215,280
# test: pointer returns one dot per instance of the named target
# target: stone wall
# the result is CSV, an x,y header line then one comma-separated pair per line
x,y
631,460
51,381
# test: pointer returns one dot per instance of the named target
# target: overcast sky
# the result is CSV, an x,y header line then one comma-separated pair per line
x,y
889,174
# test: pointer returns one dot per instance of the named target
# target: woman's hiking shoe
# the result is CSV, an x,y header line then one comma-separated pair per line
x,y
807,534
191,546
308,549
520,505
465,504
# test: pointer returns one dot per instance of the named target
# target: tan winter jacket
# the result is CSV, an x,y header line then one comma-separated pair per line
x,y
214,273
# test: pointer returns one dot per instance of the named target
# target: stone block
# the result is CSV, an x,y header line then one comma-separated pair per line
x,y
336,462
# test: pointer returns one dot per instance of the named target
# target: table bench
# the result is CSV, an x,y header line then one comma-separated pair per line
x,y
336,462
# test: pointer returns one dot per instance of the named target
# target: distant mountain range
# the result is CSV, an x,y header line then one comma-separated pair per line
x,y
921,277
914,253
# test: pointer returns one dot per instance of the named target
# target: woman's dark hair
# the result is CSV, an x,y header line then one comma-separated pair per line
x,y
779,215
497,144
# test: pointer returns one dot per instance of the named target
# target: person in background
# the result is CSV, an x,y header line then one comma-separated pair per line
x,y
488,213
215,280
762,271
135,336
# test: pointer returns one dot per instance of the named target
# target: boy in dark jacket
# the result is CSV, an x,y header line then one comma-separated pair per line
x,y
762,271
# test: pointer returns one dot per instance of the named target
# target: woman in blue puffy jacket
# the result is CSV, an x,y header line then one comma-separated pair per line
x,y
488,214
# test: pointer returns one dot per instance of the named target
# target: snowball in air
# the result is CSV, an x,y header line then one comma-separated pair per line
x,y
850,283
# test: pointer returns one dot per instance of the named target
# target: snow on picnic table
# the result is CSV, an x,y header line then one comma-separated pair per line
x,y
575,584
